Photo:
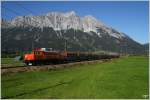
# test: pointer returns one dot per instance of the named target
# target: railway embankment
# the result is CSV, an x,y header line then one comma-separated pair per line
x,y
19,69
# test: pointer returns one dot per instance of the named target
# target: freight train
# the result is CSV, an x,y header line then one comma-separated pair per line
x,y
47,56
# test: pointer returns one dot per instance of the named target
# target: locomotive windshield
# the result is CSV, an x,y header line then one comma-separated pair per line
x,y
46,49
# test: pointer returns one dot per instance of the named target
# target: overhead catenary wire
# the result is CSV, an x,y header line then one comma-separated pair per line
x,y
13,29
24,8
18,14
33,17
54,20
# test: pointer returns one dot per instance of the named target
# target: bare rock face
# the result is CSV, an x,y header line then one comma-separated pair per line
x,y
51,30
64,21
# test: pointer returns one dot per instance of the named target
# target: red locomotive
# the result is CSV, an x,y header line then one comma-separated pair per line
x,y
46,56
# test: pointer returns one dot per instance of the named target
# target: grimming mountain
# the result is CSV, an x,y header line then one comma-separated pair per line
x,y
57,29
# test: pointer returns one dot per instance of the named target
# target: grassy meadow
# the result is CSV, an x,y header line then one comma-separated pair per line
x,y
7,62
126,77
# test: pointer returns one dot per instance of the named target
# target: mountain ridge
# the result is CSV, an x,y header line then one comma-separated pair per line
x,y
86,33
63,21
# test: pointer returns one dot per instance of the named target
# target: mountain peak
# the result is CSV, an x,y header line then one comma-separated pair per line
x,y
54,26
65,21
90,17
71,13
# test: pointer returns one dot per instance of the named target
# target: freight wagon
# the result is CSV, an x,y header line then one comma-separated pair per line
x,y
47,56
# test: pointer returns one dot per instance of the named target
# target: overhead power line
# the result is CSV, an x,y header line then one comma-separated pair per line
x,y
24,8
14,12
18,14
55,20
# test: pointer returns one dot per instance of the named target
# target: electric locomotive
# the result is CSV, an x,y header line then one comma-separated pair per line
x,y
44,56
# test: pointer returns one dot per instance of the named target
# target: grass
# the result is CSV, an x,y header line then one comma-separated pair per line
x,y
7,62
126,77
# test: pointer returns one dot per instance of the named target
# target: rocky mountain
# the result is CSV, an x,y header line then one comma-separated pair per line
x,y
54,29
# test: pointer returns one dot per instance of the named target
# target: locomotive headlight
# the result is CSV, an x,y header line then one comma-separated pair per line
x,y
26,57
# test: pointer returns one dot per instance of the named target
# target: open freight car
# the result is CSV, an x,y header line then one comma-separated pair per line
x,y
47,56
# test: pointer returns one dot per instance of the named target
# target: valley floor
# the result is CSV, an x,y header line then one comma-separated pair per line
x,y
126,77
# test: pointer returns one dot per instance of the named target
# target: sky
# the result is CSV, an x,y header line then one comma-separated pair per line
x,y
129,17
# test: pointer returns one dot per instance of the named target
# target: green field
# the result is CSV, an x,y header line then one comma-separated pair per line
x,y
7,62
125,77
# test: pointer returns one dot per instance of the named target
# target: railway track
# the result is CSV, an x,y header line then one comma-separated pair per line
x,y
12,67
19,69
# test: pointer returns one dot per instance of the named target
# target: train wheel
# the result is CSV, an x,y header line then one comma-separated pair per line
x,y
30,63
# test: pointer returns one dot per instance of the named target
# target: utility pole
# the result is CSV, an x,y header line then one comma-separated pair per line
x,y
32,45
125,48
73,34
65,45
